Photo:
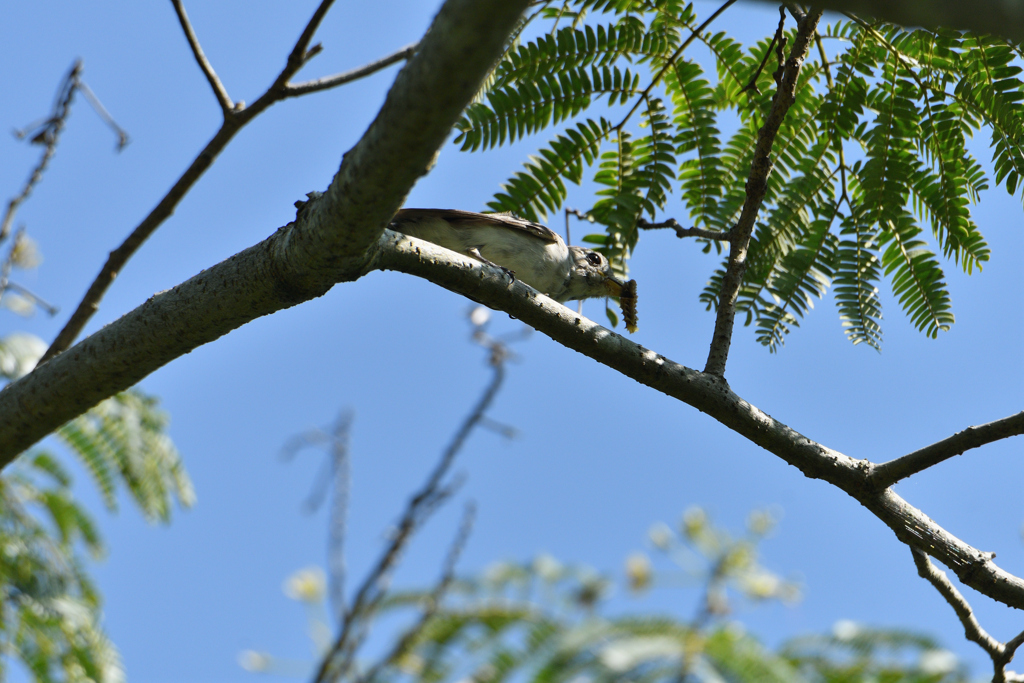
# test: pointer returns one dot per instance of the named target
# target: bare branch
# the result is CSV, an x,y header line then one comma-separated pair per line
x,y
432,603
234,120
219,91
972,629
29,294
335,477
338,660
757,185
752,83
302,53
889,473
712,396
46,133
97,106
682,232
1000,653
334,81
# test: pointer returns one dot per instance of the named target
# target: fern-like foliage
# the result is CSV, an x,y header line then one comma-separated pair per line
x,y
124,439
49,608
872,179
539,187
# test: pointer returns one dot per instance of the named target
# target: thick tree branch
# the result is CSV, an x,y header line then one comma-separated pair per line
x,y
710,395
274,274
992,17
888,473
340,235
757,185
327,244
235,118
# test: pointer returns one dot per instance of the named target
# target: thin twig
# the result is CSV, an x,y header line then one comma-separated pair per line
x,y
302,53
682,232
334,81
972,629
831,86
752,84
432,602
29,294
1000,653
888,473
48,134
337,661
341,464
234,121
756,187
122,134
14,259
672,60
219,91
335,477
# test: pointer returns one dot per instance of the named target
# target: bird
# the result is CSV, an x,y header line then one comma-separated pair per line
x,y
528,251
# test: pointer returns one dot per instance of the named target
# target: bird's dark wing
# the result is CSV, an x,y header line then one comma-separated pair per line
x,y
459,218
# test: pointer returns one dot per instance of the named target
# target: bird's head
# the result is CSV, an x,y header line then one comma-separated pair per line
x,y
591,276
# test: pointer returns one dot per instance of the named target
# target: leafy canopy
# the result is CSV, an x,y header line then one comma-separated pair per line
x,y
871,157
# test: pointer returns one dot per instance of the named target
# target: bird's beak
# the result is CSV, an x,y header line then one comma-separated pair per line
x,y
614,286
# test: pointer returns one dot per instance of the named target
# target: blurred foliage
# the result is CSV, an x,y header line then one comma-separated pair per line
x,y
547,622
50,611
49,617
871,157
124,440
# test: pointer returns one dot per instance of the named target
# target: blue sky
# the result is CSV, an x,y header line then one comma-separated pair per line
x,y
599,458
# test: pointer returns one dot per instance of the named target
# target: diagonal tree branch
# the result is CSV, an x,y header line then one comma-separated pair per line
x,y
757,186
1000,653
336,664
292,266
339,236
682,232
888,473
710,395
328,243
235,118
328,82
219,91
432,603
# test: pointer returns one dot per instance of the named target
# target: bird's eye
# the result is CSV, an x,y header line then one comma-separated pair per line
x,y
594,258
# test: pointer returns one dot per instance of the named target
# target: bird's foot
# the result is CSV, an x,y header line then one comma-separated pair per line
x,y
475,253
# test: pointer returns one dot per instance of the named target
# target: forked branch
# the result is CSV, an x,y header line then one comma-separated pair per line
x,y
888,473
682,232
338,661
1001,653
756,187
236,116
219,90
